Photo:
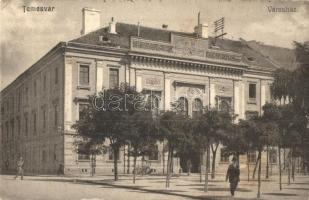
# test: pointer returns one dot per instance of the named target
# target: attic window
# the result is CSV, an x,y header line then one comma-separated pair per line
x,y
251,59
103,38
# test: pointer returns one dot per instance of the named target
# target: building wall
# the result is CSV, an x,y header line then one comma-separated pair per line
x,y
27,98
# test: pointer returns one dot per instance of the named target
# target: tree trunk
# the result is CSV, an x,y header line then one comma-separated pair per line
x,y
293,166
129,155
267,161
256,164
168,168
280,176
259,174
207,168
248,166
289,168
116,152
124,159
284,159
134,167
163,158
201,164
213,166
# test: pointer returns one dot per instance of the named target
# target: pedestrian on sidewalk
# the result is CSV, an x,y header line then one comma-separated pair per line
x,y
233,175
20,168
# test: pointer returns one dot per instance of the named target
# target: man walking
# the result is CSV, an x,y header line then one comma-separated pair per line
x,y
20,168
233,175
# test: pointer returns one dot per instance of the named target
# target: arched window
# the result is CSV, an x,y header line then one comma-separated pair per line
x,y
224,106
197,108
183,105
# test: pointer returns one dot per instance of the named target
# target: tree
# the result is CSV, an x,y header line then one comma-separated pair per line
x,y
172,127
141,135
106,116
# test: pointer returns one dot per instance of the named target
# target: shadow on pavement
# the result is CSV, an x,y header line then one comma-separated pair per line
x,y
223,189
280,194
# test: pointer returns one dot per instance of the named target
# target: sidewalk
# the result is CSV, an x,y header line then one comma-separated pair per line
x,y
183,187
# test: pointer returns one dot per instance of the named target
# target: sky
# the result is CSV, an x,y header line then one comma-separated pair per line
x,y
26,36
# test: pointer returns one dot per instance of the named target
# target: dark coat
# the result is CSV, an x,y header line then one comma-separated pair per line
x,y
233,173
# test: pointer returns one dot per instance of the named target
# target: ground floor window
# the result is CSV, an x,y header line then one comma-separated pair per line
x,y
82,153
273,156
154,153
252,157
111,154
224,155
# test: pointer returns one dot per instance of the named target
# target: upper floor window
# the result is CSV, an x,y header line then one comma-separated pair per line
x,y
252,91
34,88
84,75
56,115
26,124
56,75
113,78
182,106
34,123
44,117
83,154
44,83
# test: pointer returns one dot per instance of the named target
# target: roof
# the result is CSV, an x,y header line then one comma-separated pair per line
x,y
254,55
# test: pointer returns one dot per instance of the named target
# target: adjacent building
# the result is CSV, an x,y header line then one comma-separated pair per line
x,y
40,106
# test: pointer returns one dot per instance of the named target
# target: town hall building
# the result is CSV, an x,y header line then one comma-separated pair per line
x,y
39,108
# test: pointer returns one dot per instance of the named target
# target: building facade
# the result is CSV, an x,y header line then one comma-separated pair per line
x,y
40,106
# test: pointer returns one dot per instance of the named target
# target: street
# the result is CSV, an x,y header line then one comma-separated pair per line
x,y
146,187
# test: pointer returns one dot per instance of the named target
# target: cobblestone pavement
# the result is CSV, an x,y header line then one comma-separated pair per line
x,y
146,187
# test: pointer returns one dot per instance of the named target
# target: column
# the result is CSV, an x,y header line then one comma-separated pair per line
x,y
99,84
68,99
236,100
263,97
167,94
243,101
139,86
212,95
132,77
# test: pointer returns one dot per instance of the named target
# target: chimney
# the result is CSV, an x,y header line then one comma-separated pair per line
x,y
91,20
112,26
201,30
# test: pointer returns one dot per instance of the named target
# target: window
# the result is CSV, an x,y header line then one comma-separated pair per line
x,y
34,123
224,155
18,124
111,154
197,108
113,78
56,75
154,153
34,88
252,91
44,83
43,156
56,115
82,153
182,106
84,75
82,108
26,124
44,117
251,114
12,128
7,130
252,157
26,94
273,156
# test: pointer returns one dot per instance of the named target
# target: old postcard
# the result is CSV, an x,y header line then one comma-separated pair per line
x,y
154,99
